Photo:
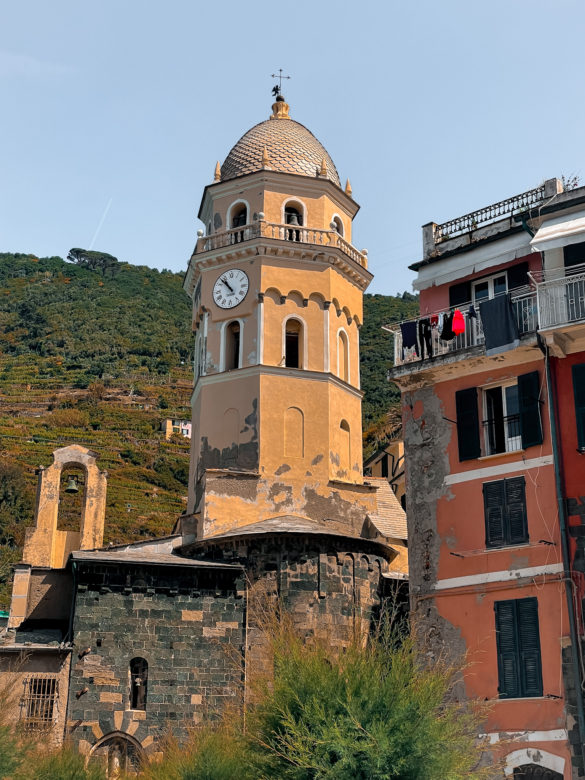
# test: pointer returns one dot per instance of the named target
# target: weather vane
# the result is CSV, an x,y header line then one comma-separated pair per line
x,y
277,88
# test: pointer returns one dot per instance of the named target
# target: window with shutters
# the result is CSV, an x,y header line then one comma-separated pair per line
x,y
484,289
501,419
579,392
510,417
505,512
518,647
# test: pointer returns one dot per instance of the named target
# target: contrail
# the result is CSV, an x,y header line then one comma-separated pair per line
x,y
99,227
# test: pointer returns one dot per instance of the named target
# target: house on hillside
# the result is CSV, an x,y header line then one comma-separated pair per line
x,y
492,376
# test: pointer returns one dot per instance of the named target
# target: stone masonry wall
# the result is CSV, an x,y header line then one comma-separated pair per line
x,y
188,623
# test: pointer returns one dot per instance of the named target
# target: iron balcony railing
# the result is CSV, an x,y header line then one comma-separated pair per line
x,y
502,434
503,208
294,233
525,311
561,301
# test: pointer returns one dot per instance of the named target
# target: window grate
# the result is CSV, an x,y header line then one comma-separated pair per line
x,y
39,702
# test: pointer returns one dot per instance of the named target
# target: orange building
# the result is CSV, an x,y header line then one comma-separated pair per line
x,y
492,376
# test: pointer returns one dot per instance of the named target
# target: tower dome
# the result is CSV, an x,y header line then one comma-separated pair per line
x,y
279,144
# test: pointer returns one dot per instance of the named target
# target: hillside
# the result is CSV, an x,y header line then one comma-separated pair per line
x,y
98,358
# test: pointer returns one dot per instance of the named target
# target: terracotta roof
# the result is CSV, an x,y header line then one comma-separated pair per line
x,y
390,518
290,148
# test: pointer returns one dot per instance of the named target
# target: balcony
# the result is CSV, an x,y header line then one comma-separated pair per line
x,y
561,296
525,311
293,233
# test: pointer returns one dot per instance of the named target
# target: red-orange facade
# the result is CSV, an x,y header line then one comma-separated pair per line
x,y
492,376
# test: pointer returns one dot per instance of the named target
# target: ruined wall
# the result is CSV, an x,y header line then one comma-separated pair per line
x,y
426,438
181,620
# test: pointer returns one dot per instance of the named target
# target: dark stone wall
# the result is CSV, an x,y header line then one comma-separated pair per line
x,y
332,586
188,624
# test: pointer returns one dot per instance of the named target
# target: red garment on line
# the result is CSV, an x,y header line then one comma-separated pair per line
x,y
458,323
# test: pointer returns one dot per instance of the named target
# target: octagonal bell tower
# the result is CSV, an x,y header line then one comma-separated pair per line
x,y
277,305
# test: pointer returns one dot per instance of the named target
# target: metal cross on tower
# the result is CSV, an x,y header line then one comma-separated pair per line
x,y
277,88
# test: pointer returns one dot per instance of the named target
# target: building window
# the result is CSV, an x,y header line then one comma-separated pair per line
x,y
501,419
293,344
579,392
138,683
484,289
232,346
518,647
38,704
505,512
511,418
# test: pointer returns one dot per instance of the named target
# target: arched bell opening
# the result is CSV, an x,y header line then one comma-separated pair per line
x,y
72,490
294,219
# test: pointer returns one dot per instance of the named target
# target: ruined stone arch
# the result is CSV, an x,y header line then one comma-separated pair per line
x,y
118,753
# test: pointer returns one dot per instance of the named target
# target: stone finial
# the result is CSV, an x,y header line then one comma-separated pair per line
x,y
280,109
323,171
348,189
265,158
217,174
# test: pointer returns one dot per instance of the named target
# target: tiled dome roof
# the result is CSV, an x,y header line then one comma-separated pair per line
x,y
290,148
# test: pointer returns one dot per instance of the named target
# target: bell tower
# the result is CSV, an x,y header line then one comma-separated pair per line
x,y
277,306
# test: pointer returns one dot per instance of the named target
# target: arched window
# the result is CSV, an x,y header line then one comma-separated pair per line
x,y
337,225
293,344
232,346
293,216
294,445
343,356
345,447
138,683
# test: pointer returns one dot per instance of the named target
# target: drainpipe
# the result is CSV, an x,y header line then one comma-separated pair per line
x,y
565,552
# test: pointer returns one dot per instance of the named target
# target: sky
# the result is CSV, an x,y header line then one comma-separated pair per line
x,y
115,112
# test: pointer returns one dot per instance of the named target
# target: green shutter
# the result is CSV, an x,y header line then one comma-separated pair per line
x,y
529,647
507,645
528,398
467,423
518,646
579,391
516,510
493,502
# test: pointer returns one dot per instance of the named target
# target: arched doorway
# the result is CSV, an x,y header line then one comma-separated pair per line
x,y
535,772
118,753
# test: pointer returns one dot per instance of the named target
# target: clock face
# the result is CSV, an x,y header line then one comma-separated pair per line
x,y
230,288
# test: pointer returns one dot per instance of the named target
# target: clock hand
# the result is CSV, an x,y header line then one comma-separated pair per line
x,y
227,285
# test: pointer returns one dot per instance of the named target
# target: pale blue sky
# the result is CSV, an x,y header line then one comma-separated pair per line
x,y
432,109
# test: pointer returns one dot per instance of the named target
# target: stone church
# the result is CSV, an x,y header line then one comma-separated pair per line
x,y
117,644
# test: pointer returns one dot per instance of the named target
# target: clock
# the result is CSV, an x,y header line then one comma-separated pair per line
x,y
231,288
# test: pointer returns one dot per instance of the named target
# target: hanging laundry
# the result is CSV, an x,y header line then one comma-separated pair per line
x,y
434,320
458,322
425,337
499,325
408,330
447,333
471,313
